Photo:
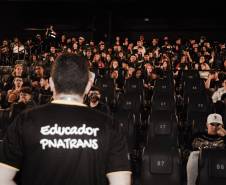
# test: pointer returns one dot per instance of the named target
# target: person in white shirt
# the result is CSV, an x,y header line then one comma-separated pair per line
x,y
219,92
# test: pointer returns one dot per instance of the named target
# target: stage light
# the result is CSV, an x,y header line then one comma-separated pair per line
x,y
146,19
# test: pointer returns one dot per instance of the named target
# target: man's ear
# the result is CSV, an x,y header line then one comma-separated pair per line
x,y
90,82
52,86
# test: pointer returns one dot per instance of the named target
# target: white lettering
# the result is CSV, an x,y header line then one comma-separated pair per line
x,y
89,131
80,144
73,131
95,145
87,144
73,143
95,131
53,130
81,130
52,144
60,143
57,130
69,143
44,130
44,143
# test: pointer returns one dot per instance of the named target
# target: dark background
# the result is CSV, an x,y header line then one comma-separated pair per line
x,y
104,20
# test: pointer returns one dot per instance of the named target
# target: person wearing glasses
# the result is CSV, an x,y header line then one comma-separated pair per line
x,y
215,137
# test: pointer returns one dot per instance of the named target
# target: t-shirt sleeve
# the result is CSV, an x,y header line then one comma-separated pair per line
x,y
11,146
118,152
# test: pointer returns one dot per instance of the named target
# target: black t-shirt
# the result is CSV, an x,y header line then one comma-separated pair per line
x,y
102,107
64,144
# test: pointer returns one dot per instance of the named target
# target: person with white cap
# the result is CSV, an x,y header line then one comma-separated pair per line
x,y
215,125
215,137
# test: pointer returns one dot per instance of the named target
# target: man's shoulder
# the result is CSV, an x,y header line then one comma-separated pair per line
x,y
37,108
50,107
100,114
103,118
33,110
200,135
206,137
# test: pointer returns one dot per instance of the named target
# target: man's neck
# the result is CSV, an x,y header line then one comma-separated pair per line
x,y
68,99
46,86
93,104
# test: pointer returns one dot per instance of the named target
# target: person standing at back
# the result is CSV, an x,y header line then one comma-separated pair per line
x,y
65,142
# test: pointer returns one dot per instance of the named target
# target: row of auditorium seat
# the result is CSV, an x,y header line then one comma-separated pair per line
x,y
164,167
161,161
161,157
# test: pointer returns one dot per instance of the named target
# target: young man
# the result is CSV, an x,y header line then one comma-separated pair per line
x,y
65,142
214,138
44,93
25,102
94,101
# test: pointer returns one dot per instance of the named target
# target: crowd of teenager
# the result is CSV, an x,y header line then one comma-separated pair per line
x,y
27,64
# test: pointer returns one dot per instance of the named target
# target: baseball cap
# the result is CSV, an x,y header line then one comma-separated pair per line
x,y
214,118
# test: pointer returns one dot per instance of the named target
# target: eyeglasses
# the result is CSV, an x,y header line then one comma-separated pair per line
x,y
215,124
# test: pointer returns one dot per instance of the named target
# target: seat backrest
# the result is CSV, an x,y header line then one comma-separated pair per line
x,y
167,75
161,167
163,85
106,85
130,102
196,121
189,74
4,119
133,86
198,108
198,102
193,86
163,129
5,70
212,167
107,88
23,62
128,124
163,101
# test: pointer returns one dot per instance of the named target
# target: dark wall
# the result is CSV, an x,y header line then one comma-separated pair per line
x,y
128,18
